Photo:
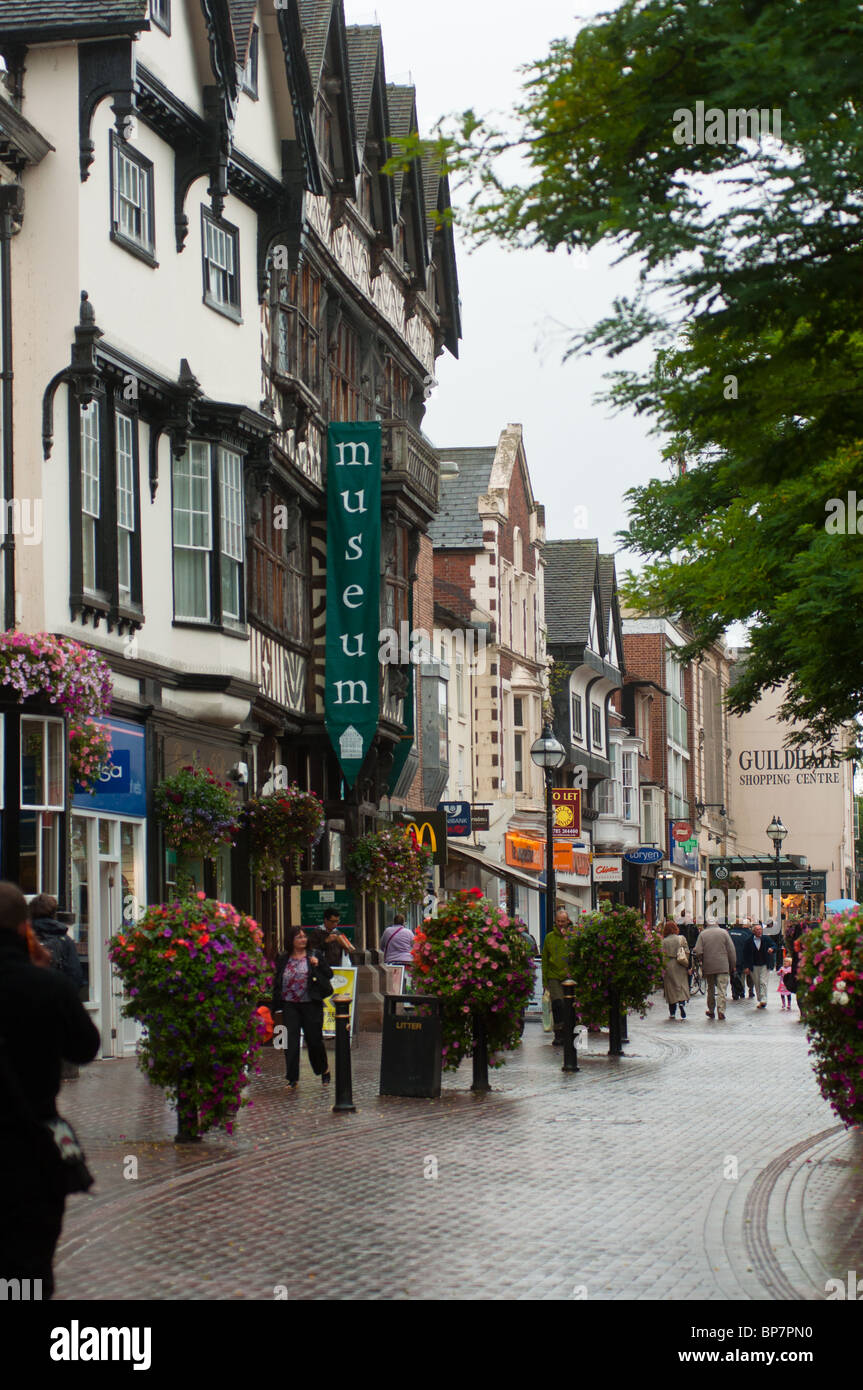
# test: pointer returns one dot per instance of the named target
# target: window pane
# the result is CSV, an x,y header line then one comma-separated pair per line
x,y
90,460
32,762
192,583
125,473
231,499
55,764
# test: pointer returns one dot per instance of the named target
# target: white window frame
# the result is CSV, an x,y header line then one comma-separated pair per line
x,y
629,766
91,482
132,203
196,452
596,739
231,521
58,725
220,245
125,428
577,703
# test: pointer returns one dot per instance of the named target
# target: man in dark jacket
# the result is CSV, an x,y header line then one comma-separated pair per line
x,y
54,936
763,957
742,938
42,1021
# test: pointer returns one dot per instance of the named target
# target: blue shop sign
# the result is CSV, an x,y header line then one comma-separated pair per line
x,y
645,855
458,818
122,788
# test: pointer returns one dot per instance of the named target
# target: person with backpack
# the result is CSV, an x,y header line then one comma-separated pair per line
x,y
53,937
396,942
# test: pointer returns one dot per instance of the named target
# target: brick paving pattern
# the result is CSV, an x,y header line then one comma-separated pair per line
x,y
702,1165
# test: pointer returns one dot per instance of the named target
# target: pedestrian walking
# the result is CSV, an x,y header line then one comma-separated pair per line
x,y
54,937
300,986
715,949
794,935
555,969
397,942
42,1021
675,970
333,944
763,959
742,937
783,990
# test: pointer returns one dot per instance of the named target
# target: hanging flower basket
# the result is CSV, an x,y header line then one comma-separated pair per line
x,y
614,958
198,813
74,679
195,972
474,958
282,826
830,995
390,865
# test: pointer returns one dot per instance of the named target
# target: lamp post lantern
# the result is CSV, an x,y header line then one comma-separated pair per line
x,y
777,832
549,755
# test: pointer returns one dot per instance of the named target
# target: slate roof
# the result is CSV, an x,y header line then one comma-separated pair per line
x,y
364,46
458,525
315,17
401,102
242,14
570,576
39,20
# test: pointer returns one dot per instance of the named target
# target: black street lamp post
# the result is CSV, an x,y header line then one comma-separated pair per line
x,y
549,755
777,832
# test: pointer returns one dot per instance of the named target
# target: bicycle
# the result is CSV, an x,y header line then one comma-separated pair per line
x,y
696,979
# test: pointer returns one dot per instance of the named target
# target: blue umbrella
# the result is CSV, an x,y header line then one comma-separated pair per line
x,y
841,905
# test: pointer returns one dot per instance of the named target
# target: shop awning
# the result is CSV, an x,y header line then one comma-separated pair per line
x,y
504,871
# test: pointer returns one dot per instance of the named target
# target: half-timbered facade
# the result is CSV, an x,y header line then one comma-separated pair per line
x,y
213,267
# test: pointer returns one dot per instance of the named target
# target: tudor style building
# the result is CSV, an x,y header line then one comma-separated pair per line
x,y
211,268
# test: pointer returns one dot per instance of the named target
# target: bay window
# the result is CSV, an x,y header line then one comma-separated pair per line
x,y
43,799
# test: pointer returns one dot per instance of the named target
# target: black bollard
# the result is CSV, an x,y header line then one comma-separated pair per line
x,y
344,1089
480,1055
570,1056
624,1026
615,1047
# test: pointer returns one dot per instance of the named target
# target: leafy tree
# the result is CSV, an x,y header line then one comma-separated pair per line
x,y
750,257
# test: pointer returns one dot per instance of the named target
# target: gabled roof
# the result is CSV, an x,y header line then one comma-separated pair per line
x,y
242,16
458,524
37,21
402,107
316,16
571,572
610,605
364,52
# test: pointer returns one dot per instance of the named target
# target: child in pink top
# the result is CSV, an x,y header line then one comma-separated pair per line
x,y
782,989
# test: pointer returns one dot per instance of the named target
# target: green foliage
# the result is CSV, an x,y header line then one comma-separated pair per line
x,y
830,995
195,972
613,949
475,959
751,261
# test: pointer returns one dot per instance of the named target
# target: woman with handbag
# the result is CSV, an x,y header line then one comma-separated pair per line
x,y
42,1021
300,985
675,970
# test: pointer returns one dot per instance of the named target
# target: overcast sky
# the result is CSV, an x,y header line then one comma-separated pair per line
x,y
519,307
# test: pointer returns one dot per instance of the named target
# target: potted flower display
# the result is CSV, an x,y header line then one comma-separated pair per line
x,y
280,827
830,995
194,973
390,865
476,960
615,960
73,678
197,811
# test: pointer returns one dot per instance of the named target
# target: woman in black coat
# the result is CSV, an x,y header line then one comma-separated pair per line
x,y
300,986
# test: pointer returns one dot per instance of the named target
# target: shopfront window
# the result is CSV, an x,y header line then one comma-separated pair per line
x,y
42,802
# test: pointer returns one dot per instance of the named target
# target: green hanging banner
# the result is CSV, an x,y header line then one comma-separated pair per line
x,y
403,751
352,689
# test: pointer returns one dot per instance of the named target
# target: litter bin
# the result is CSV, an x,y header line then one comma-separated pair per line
x,y
411,1046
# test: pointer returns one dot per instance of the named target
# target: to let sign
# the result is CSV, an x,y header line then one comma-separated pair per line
x,y
566,802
